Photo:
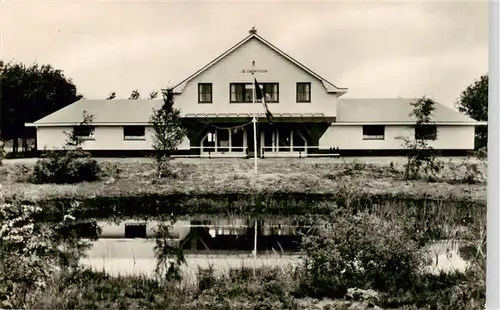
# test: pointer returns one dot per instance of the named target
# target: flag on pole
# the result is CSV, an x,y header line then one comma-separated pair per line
x,y
260,96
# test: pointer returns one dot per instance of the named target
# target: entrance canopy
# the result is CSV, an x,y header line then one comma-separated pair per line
x,y
277,117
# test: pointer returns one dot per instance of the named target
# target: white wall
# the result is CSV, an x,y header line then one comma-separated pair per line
x,y
279,69
351,138
106,138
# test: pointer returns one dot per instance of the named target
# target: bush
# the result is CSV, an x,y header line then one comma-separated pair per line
x,y
66,168
72,164
360,251
31,252
271,288
88,289
470,171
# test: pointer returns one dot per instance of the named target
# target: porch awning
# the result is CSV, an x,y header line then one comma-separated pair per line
x,y
247,115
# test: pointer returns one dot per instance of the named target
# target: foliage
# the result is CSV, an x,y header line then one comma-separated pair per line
x,y
481,153
168,132
28,93
362,251
474,102
134,95
471,170
72,165
421,158
111,96
87,289
153,95
271,288
31,252
74,140
169,255
384,272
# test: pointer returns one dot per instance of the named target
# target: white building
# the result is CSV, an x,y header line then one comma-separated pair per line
x,y
217,107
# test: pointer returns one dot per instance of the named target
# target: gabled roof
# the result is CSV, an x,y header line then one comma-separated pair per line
x,y
393,111
253,35
116,111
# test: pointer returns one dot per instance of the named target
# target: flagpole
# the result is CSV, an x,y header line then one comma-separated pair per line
x,y
254,123
255,162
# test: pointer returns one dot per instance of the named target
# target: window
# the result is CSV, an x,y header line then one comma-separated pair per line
x,y
426,132
373,132
85,132
135,231
205,93
134,133
303,92
243,92
271,91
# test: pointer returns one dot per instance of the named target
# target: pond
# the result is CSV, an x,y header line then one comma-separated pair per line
x,y
128,247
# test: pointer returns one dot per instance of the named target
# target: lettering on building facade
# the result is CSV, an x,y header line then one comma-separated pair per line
x,y
251,71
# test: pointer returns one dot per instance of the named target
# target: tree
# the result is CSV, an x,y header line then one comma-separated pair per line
x,y
153,95
474,102
74,140
421,156
111,96
168,132
28,93
134,95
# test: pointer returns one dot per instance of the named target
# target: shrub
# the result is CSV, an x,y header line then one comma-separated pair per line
x,y
481,153
271,288
360,251
66,168
88,289
470,171
72,164
31,252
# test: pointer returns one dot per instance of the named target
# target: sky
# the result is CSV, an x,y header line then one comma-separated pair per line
x,y
376,49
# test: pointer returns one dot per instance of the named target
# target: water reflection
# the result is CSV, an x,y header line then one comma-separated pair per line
x,y
220,234
225,243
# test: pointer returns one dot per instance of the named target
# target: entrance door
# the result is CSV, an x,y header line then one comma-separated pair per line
x,y
283,139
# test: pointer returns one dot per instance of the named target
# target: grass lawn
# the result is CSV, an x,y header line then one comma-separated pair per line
x,y
133,176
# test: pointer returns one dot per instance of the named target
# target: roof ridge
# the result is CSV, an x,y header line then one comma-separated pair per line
x,y
254,35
